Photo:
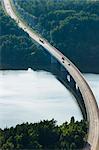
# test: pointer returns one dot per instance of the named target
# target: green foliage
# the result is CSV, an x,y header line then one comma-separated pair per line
x,y
8,26
44,135
72,26
17,50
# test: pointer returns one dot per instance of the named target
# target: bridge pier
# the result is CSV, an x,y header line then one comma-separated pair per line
x,y
70,83
63,75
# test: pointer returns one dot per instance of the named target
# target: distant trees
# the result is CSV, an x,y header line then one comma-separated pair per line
x,y
44,135
15,47
17,50
72,26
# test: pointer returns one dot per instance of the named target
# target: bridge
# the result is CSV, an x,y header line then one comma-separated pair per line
x,y
71,78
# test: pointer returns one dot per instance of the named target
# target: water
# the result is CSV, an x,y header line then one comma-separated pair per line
x,y
33,96
93,81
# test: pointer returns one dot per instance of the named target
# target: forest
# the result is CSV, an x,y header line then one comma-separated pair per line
x,y
44,135
17,50
71,26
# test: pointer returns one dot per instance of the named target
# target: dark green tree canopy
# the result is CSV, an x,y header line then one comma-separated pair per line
x,y
72,26
44,135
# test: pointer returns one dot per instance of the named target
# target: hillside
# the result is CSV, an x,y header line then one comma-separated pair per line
x,y
17,50
72,26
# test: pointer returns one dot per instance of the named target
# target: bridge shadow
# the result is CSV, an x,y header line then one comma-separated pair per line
x,y
66,79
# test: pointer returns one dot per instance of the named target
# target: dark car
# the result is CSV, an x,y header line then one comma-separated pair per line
x,y
63,58
41,41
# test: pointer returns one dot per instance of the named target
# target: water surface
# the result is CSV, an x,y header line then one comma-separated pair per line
x,y
33,96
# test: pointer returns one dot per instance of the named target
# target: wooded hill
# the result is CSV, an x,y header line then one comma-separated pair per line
x,y
17,50
72,26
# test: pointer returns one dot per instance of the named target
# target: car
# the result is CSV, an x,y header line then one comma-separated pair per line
x,y
41,41
63,62
63,58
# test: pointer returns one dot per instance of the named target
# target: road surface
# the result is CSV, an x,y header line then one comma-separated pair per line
x,y
89,99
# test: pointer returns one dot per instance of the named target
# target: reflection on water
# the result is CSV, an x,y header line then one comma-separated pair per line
x,y
33,96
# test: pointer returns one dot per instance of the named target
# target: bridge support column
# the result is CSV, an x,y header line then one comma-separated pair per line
x,y
72,83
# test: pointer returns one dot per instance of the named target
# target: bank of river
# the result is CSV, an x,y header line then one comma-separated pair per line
x,y
32,96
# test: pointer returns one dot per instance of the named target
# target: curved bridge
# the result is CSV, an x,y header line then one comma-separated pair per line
x,y
80,82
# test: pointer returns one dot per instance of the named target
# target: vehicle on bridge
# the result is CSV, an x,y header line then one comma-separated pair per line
x,y
63,58
41,41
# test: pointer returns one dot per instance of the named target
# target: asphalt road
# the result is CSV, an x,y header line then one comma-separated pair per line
x,y
89,99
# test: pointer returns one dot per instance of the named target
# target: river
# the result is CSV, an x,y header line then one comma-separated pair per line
x,y
33,96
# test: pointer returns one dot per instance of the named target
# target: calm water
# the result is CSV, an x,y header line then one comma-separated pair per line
x,y
33,96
